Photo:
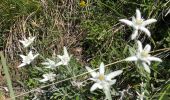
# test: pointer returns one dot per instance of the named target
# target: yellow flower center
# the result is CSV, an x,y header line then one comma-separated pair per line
x,y
139,21
82,3
144,54
101,77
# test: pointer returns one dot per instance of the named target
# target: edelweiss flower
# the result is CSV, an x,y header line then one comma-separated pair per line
x,y
27,59
143,56
138,23
64,59
27,42
102,80
48,77
140,96
49,63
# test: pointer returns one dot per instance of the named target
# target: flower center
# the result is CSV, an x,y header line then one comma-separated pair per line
x,y
139,21
65,60
144,54
28,60
101,77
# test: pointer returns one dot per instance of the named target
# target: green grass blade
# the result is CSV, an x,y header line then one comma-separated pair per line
x,y
7,76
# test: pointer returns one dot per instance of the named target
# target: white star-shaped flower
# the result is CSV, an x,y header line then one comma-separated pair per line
x,y
140,96
48,77
26,60
49,63
101,79
27,42
143,56
64,58
138,23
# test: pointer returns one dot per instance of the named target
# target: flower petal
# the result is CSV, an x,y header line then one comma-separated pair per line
x,y
149,21
146,60
101,70
126,22
35,56
145,30
146,67
22,56
112,82
59,63
43,80
30,54
21,65
65,52
140,48
92,72
113,74
23,42
132,58
147,48
134,35
95,86
45,63
152,58
32,39
60,57
138,14
93,79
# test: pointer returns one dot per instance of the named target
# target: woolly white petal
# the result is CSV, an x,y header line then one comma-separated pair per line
x,y
132,58
23,42
138,14
35,56
21,65
147,48
59,63
95,86
126,22
145,59
49,67
94,79
43,80
146,67
112,82
93,73
32,39
113,74
140,48
149,21
101,70
134,35
22,56
60,57
145,30
30,54
154,59
65,52
45,63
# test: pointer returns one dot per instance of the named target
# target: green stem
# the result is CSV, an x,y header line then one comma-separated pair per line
x,y
7,76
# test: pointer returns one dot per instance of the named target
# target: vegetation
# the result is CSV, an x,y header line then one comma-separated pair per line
x,y
92,33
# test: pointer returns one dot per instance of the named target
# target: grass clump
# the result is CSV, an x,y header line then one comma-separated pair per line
x,y
93,34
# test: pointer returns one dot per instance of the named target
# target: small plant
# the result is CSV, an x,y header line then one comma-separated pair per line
x,y
64,41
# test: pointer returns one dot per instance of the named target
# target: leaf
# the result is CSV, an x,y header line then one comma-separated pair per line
x,y
164,95
7,76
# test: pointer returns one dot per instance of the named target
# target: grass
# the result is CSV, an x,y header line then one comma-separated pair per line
x,y
93,34
7,76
